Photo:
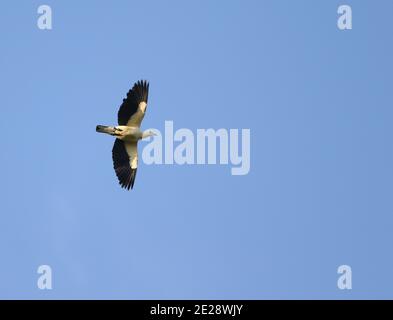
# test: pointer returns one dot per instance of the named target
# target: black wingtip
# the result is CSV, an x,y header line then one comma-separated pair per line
x,y
132,179
130,183
141,88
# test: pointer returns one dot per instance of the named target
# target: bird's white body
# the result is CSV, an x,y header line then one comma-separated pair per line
x,y
125,133
130,136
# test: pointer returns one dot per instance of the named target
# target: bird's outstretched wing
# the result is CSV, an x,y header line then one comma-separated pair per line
x,y
133,108
125,162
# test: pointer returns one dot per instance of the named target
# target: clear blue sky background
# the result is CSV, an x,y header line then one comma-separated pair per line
x,y
318,102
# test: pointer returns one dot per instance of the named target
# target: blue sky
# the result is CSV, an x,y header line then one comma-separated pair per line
x,y
318,102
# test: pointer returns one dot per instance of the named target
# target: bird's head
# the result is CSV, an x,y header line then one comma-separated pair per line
x,y
148,133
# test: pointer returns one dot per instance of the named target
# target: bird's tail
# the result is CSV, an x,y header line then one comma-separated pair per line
x,y
105,129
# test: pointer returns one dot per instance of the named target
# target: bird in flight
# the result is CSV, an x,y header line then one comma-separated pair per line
x,y
128,133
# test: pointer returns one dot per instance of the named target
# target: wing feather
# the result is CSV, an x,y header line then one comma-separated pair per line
x,y
125,162
133,108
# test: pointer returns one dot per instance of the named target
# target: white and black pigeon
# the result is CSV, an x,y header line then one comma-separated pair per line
x,y
128,133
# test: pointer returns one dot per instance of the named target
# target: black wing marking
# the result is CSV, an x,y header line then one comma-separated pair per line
x,y
121,164
139,93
